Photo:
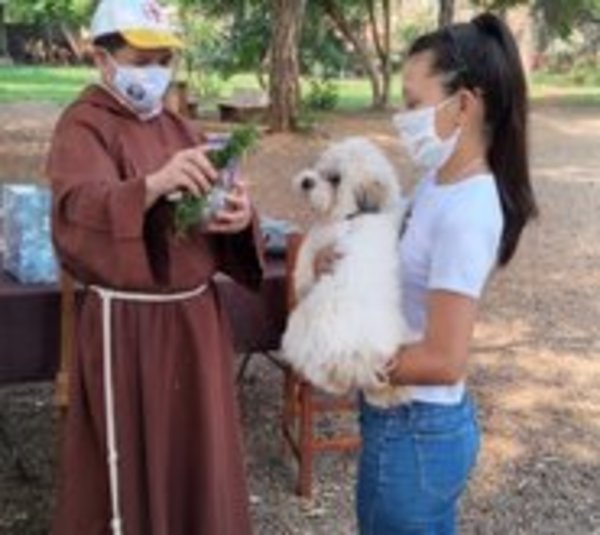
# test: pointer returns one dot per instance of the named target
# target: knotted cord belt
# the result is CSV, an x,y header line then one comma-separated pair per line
x,y
107,296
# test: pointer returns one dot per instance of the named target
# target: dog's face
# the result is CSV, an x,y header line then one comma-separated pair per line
x,y
351,177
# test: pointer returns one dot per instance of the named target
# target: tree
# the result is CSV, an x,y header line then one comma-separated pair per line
x,y
223,38
3,43
69,16
561,16
284,80
446,13
351,24
73,13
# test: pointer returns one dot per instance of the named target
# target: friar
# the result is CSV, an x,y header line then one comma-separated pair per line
x,y
152,441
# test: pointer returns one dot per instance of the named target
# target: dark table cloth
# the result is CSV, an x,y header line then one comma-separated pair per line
x,y
30,322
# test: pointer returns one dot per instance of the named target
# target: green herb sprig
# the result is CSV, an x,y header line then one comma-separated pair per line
x,y
190,209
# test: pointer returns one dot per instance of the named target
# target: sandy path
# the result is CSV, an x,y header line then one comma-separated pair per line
x,y
536,363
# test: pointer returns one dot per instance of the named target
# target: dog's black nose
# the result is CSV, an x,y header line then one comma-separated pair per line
x,y
307,184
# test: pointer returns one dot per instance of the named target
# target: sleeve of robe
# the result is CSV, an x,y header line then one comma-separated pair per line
x,y
241,256
97,217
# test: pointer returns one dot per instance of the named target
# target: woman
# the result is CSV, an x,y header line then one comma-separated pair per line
x,y
466,123
152,439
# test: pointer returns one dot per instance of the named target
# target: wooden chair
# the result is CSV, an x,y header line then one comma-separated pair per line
x,y
302,405
67,312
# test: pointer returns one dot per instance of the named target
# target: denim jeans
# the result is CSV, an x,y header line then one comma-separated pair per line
x,y
414,464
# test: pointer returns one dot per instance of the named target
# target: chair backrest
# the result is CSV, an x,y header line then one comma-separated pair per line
x,y
67,306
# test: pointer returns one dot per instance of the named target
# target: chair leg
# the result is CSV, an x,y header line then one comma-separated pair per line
x,y
305,461
285,415
289,409
243,367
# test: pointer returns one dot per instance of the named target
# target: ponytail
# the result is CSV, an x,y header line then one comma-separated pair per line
x,y
483,55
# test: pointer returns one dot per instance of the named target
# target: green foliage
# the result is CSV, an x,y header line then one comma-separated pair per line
x,y
75,12
499,5
202,36
561,16
241,141
243,33
244,45
190,209
322,52
222,38
323,94
408,32
582,73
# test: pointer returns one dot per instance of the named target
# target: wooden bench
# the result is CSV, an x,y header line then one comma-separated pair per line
x,y
245,105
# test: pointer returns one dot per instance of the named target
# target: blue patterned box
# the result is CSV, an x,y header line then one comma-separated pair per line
x,y
29,254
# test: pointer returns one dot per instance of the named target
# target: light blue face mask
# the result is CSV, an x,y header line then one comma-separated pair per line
x,y
418,134
143,88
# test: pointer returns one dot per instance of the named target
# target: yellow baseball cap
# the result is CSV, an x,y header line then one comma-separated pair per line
x,y
144,24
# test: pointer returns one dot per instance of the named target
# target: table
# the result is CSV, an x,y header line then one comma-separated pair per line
x,y
30,322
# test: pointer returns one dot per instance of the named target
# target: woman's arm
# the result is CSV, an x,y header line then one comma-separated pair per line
x,y
441,358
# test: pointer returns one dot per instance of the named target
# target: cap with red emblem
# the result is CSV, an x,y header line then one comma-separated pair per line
x,y
143,24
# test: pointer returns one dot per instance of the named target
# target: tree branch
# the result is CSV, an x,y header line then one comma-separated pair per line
x,y
337,16
375,29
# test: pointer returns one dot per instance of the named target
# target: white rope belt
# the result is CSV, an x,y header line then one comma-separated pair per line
x,y
107,296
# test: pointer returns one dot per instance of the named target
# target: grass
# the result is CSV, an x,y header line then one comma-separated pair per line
x,y
575,87
354,94
18,84
62,84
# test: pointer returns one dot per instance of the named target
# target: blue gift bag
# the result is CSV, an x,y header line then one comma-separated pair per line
x,y
29,254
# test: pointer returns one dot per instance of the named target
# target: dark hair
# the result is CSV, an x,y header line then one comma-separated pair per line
x,y
111,42
482,55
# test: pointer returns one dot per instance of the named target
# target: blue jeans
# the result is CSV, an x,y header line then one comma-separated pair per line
x,y
414,464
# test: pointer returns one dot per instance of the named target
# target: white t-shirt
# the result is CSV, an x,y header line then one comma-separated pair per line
x,y
451,242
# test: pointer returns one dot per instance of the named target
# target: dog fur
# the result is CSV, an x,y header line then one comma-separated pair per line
x,y
347,324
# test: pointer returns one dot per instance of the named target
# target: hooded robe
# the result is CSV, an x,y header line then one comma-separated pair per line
x,y
181,466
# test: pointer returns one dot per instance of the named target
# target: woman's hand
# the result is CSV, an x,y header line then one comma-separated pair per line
x,y
390,374
440,358
325,260
188,170
237,216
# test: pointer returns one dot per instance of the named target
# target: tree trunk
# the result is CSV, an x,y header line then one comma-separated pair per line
x,y
364,56
446,13
73,40
3,39
285,72
386,66
382,50
263,70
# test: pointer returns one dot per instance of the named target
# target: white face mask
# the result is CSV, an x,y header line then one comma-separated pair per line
x,y
143,88
418,134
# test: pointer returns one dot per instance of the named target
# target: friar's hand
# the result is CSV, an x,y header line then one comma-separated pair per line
x,y
188,170
237,215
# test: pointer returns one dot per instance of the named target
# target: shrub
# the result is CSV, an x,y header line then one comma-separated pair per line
x,y
322,95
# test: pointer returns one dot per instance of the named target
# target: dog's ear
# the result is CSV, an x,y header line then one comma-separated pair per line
x,y
370,197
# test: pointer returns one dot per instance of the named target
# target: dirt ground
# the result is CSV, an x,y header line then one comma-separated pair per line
x,y
536,356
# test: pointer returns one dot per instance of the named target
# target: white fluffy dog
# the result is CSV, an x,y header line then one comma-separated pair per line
x,y
347,324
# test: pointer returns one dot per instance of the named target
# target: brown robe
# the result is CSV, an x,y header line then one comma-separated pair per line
x,y
181,462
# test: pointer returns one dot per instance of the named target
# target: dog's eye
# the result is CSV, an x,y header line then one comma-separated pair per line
x,y
334,180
